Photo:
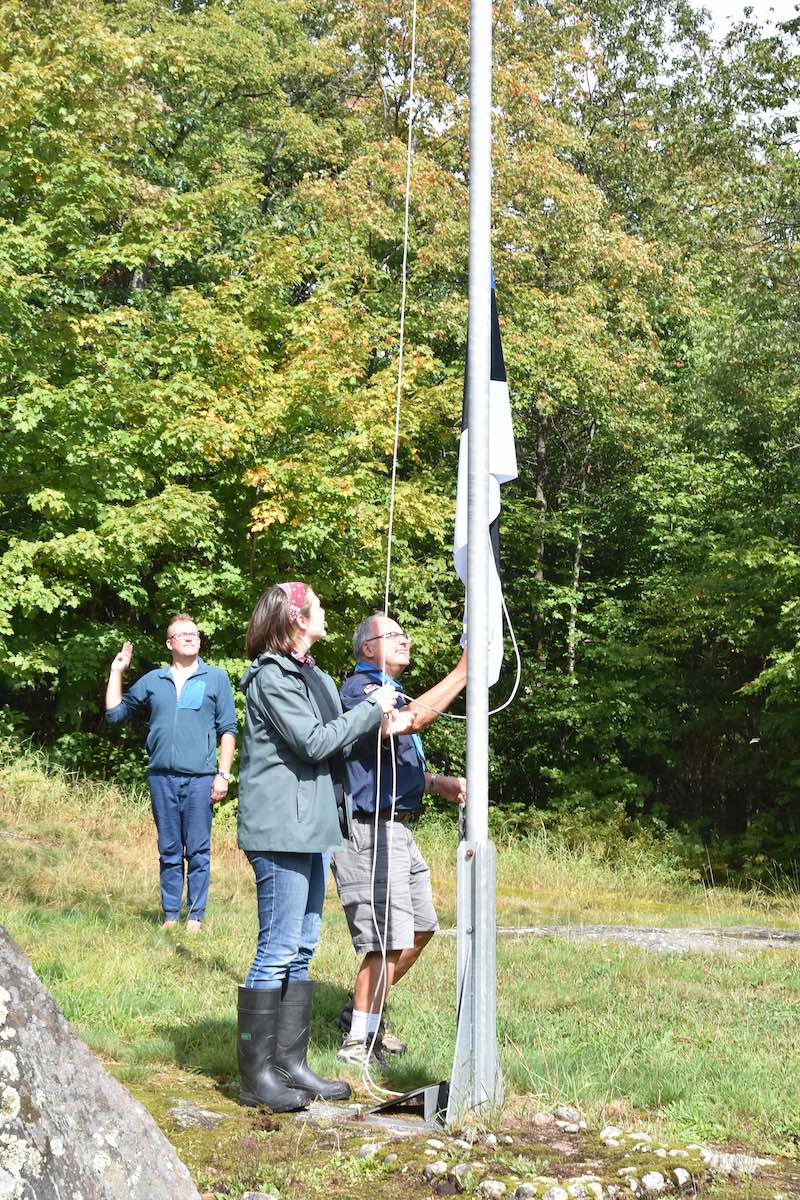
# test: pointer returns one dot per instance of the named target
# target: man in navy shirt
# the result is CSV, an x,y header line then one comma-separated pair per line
x,y
403,902
190,706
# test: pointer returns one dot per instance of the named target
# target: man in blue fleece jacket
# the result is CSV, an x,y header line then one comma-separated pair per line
x,y
190,708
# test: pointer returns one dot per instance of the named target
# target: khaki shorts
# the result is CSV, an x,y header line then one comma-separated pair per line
x,y
410,897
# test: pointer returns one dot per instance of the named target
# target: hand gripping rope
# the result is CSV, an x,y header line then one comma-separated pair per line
x,y
374,1089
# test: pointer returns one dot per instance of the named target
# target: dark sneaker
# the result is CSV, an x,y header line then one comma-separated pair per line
x,y
356,1053
390,1043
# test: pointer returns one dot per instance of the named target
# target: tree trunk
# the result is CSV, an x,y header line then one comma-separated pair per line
x,y
576,558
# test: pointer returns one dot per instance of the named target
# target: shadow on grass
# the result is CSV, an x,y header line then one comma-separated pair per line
x,y
209,1046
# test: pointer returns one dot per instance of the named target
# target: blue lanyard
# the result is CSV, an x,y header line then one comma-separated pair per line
x,y
379,676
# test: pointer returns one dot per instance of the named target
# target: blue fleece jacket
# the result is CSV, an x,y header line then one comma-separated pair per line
x,y
184,729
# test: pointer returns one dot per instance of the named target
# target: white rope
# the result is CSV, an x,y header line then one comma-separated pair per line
x,y
381,988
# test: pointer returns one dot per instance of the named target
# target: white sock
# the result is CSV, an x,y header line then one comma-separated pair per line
x,y
358,1026
373,1021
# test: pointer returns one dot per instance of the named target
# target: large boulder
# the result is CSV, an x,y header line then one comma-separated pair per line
x,y
67,1128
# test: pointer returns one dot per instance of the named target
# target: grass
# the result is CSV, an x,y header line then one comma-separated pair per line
x,y
695,1045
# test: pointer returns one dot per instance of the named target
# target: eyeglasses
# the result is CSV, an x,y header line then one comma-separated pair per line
x,y
394,635
173,637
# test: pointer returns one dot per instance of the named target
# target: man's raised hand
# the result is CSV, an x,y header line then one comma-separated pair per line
x,y
123,660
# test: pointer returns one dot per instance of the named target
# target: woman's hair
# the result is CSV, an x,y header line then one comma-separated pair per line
x,y
271,627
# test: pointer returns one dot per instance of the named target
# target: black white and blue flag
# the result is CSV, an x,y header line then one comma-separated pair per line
x,y
502,469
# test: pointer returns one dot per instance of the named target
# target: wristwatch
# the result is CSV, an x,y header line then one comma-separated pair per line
x,y
226,775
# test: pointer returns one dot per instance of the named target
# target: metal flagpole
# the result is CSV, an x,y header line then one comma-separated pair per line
x,y
476,1082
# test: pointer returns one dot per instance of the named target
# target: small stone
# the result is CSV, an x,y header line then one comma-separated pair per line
x,y
368,1150
541,1119
491,1189
577,1191
633,1185
583,1124
191,1116
611,1142
646,1146
430,1153
610,1131
434,1170
507,1139
661,1152
654,1181
462,1144
435,1144
612,1190
566,1112
595,1189
490,1139
458,1174
677,1153
258,1196
682,1178
571,1127
623,1171
525,1191
391,1158
555,1193
640,1135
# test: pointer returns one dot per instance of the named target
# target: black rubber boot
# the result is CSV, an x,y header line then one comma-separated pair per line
x,y
261,1082
294,1028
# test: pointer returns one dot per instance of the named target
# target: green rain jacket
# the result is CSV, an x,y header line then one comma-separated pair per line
x,y
286,795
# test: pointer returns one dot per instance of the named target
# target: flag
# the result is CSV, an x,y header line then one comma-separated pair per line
x,y
502,469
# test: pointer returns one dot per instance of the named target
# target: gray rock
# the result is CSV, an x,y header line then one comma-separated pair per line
x,y
434,1170
735,1164
566,1112
491,1189
556,1193
435,1144
68,1128
610,1131
192,1116
490,1139
458,1174
368,1150
542,1119
682,1179
259,1196
525,1191
462,1144
571,1126
507,1139
391,1158
654,1181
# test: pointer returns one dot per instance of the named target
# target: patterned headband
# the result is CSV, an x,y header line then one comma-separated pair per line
x,y
295,593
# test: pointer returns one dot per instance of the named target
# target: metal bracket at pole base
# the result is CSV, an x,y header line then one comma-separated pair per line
x,y
428,1102
476,1082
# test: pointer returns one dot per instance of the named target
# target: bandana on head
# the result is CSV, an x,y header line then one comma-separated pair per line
x,y
295,593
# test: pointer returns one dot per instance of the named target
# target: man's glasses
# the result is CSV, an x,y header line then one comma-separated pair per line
x,y
173,637
394,635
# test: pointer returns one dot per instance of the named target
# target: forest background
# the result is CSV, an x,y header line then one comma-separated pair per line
x,y
201,212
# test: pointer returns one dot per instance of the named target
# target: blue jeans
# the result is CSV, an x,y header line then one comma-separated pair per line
x,y
182,812
290,891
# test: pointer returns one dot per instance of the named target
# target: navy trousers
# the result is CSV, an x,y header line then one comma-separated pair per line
x,y
182,812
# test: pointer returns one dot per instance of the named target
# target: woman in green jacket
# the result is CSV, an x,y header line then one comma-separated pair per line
x,y
293,809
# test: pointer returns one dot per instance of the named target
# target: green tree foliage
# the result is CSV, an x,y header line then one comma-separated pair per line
x,y
201,218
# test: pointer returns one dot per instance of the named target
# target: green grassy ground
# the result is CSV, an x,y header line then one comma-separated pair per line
x,y
695,1045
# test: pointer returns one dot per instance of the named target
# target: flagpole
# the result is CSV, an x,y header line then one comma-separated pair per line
x,y
476,1082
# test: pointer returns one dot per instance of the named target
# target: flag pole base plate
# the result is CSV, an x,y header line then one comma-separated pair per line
x,y
429,1102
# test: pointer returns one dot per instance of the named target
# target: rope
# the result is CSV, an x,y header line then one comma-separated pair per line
x,y
381,989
